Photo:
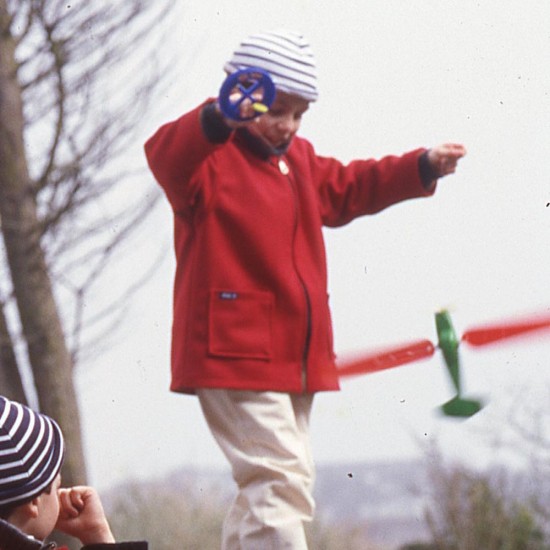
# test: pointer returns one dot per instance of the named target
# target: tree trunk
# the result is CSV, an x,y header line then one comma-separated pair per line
x,y
11,384
47,350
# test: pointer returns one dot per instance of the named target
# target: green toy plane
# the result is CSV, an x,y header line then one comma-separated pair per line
x,y
448,343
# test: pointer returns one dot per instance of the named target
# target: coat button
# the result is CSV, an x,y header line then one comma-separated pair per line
x,y
283,167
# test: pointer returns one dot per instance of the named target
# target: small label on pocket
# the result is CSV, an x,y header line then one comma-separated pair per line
x,y
228,295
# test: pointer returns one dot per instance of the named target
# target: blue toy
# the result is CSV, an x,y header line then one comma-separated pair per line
x,y
253,84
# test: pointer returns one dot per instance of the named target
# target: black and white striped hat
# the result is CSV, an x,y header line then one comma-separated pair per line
x,y
31,452
285,55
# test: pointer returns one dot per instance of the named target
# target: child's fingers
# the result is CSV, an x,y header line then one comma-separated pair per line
x,y
444,158
77,498
71,502
67,508
454,150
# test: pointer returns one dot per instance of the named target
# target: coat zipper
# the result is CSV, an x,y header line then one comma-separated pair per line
x,y
283,168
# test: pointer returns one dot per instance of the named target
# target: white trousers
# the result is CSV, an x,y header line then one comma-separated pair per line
x,y
265,437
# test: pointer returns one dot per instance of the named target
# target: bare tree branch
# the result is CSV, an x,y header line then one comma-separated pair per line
x,y
71,100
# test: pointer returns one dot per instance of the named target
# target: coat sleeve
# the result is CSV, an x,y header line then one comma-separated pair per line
x,y
175,152
366,186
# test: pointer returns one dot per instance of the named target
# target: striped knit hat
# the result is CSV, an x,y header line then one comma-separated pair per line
x,y
31,452
285,55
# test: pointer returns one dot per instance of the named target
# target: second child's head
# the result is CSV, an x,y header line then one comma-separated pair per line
x,y
31,455
289,60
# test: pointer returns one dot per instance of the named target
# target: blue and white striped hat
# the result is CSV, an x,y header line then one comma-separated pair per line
x,y
285,55
31,452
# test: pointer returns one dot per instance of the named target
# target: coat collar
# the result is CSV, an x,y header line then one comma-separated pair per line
x,y
257,146
13,539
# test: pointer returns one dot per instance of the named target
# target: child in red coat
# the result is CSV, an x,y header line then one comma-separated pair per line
x,y
252,335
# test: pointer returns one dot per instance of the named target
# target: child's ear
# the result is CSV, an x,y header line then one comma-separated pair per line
x,y
31,508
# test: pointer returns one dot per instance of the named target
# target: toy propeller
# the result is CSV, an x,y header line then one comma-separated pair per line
x,y
254,85
448,343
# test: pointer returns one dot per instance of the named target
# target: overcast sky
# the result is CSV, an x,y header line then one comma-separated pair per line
x,y
394,75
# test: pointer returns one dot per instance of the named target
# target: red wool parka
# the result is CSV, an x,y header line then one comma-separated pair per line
x,y
250,307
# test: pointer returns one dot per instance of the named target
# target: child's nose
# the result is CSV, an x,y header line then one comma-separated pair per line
x,y
286,125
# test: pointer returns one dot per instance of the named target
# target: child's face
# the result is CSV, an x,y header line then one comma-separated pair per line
x,y
279,125
48,511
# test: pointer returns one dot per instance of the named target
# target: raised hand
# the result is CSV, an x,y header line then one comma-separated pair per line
x,y
81,515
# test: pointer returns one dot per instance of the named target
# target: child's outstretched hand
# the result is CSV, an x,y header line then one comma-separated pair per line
x,y
81,515
444,158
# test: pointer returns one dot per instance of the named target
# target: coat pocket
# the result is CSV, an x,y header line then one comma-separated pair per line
x,y
240,324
